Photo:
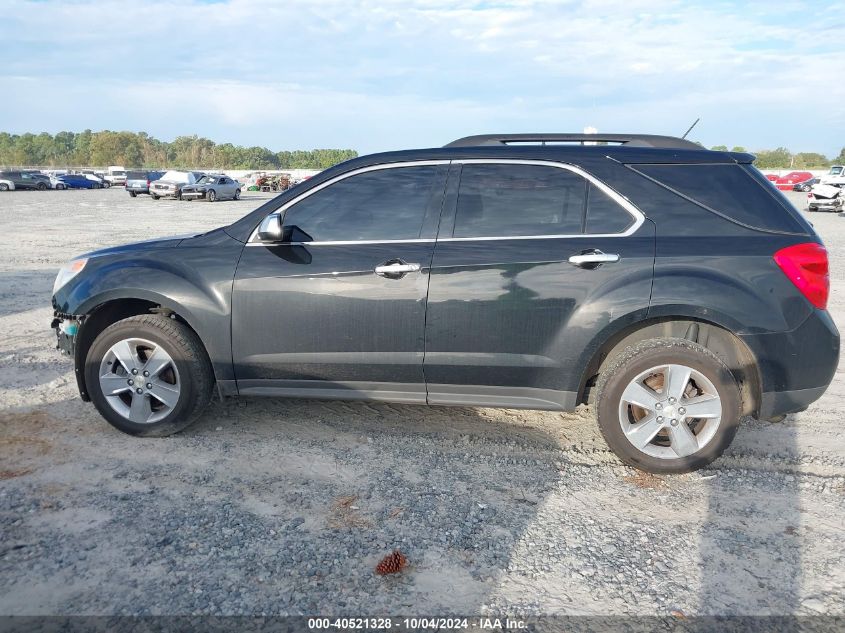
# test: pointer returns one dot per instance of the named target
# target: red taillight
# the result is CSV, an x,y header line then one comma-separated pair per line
x,y
806,267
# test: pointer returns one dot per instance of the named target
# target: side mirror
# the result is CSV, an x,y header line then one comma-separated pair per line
x,y
270,229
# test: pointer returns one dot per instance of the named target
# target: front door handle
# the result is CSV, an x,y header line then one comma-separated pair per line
x,y
593,258
396,269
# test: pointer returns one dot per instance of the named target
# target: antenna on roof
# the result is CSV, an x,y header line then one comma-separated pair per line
x,y
691,126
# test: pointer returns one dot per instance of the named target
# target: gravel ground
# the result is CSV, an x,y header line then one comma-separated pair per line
x,y
285,506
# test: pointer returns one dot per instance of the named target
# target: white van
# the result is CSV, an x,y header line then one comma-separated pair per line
x,y
115,175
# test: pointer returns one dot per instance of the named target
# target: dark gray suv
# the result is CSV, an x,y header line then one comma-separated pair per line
x,y
673,287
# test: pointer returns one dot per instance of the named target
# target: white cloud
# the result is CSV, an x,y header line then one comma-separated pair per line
x,y
394,74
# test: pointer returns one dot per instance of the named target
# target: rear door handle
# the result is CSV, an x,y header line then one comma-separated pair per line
x,y
396,269
593,258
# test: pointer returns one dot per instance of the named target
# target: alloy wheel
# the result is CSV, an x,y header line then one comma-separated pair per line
x,y
139,380
670,411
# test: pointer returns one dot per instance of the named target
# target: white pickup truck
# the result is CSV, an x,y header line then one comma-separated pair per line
x,y
836,176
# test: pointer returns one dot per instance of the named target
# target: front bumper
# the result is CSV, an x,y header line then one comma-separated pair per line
x,y
827,203
193,194
67,329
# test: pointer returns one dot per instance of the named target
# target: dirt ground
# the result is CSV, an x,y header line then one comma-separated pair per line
x,y
285,506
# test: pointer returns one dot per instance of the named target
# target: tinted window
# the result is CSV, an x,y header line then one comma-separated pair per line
x,y
512,200
136,175
604,214
388,204
729,190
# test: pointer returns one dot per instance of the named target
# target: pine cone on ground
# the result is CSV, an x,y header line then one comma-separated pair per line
x,y
392,563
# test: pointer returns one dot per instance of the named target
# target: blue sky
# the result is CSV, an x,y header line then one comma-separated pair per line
x,y
418,73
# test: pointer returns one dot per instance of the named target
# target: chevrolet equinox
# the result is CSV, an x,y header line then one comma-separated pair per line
x,y
672,287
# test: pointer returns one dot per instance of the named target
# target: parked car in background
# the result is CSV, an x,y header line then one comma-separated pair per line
x,y
171,183
56,183
90,175
6,185
806,185
211,188
823,197
139,181
785,183
78,181
27,180
655,279
115,175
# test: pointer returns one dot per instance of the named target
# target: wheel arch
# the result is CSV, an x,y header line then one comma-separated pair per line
x,y
711,334
115,309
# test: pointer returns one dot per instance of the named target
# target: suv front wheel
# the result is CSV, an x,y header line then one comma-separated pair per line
x,y
149,375
668,406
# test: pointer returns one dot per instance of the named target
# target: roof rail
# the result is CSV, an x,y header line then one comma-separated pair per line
x,y
630,140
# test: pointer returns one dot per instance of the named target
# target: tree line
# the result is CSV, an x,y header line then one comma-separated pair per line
x,y
139,149
782,158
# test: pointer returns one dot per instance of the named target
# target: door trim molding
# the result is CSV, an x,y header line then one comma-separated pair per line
x,y
414,393
502,397
407,393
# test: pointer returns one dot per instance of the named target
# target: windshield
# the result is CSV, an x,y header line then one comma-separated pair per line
x,y
836,170
207,180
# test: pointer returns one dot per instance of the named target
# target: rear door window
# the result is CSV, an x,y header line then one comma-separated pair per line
x,y
605,216
511,200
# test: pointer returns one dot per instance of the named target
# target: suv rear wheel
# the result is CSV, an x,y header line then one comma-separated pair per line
x,y
668,406
149,375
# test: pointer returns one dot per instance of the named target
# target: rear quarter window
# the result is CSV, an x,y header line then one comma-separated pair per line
x,y
732,191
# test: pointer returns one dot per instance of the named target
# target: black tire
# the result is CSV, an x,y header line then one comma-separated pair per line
x,y
106,184
189,356
211,196
132,194
41,186
634,360
4,186
237,194
805,188
811,209
153,196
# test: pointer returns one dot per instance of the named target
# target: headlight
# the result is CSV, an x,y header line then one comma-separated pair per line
x,y
68,272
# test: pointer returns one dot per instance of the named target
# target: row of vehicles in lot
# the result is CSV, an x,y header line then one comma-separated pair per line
x,y
178,184
61,179
183,185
